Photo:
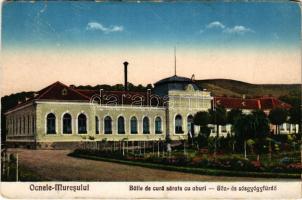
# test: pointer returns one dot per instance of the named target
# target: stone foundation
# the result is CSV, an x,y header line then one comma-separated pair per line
x,y
19,144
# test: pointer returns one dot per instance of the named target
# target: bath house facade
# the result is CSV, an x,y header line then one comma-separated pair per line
x,y
61,116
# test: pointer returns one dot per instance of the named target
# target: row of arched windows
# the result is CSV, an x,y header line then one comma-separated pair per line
x,y
67,123
133,125
178,124
82,124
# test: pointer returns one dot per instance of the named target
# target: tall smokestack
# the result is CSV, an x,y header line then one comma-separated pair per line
x,y
126,75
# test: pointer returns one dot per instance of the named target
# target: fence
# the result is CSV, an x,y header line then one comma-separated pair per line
x,y
9,166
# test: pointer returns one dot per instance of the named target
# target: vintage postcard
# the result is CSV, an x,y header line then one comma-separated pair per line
x,y
144,100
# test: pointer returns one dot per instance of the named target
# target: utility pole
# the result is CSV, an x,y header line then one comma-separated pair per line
x,y
153,147
123,149
157,148
245,149
17,168
270,150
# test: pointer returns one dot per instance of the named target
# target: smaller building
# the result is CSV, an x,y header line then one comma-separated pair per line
x,y
266,104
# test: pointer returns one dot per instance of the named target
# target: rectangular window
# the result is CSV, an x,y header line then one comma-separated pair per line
x,y
20,125
33,124
13,131
28,124
24,127
7,126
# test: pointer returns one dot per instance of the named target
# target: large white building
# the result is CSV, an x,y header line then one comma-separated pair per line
x,y
60,116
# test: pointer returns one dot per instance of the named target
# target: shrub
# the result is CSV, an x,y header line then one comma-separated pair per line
x,y
291,168
226,162
234,163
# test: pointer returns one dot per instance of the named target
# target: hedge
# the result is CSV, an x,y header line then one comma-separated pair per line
x,y
202,171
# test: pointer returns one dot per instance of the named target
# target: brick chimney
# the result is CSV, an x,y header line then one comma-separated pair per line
x,y
126,75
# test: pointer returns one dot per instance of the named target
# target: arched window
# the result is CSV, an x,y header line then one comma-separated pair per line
x,y
97,128
178,124
67,124
108,125
51,124
82,124
121,125
133,124
146,125
158,125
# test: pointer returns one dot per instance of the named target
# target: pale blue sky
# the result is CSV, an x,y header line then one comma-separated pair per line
x,y
86,42
198,25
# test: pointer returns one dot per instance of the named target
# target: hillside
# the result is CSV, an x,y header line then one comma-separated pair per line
x,y
222,87
218,87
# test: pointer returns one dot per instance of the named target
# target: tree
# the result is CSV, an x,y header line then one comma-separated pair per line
x,y
244,128
202,119
233,115
261,124
293,98
295,116
261,131
218,117
277,117
254,126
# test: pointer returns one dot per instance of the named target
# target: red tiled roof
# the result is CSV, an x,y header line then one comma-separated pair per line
x,y
59,91
238,103
266,103
88,93
55,91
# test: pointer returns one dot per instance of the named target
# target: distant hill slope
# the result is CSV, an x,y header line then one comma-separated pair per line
x,y
221,87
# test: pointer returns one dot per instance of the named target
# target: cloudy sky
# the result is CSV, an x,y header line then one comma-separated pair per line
x,y
86,42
